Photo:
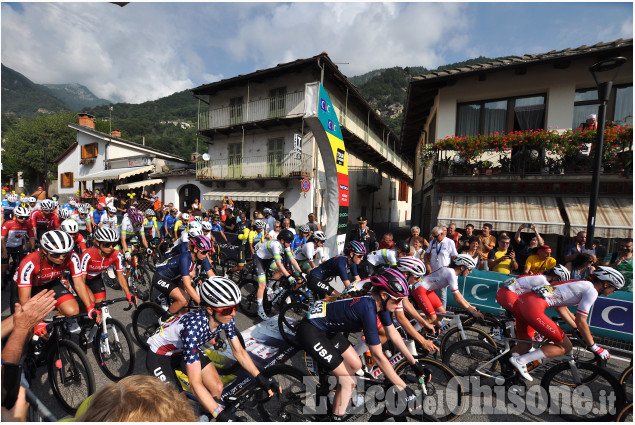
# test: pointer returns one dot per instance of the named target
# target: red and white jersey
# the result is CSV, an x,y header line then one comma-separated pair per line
x,y
522,284
80,241
35,271
51,220
92,263
440,278
573,292
13,232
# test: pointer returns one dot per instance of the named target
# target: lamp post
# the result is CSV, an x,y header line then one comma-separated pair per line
x,y
46,180
604,91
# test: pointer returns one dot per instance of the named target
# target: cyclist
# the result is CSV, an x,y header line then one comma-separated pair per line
x,y
319,334
109,220
311,253
181,225
168,225
95,260
173,277
43,269
182,244
150,226
84,222
217,227
302,236
12,238
45,219
65,214
176,346
24,202
243,230
271,252
430,303
529,312
33,205
377,260
131,230
96,215
334,267
70,226
514,287
8,205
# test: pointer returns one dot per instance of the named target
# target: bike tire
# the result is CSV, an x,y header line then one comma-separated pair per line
x,y
444,387
70,375
626,381
225,366
120,362
145,322
289,319
290,405
219,264
626,415
603,390
248,304
453,335
463,357
140,284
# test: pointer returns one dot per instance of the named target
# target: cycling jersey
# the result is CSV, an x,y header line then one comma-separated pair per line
x,y
69,207
255,237
308,252
333,267
79,241
512,288
217,227
169,222
180,227
35,271
573,292
298,241
423,290
271,249
92,263
130,231
180,265
109,221
184,334
82,222
97,216
14,232
7,208
151,228
383,256
48,221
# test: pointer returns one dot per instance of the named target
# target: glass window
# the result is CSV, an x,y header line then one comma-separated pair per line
x,y
469,119
580,112
530,101
624,106
495,117
585,95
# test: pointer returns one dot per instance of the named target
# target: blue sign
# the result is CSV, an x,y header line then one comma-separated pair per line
x,y
613,314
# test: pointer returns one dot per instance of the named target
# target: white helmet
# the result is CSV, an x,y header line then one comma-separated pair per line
x,y
112,210
12,197
82,210
267,211
465,260
319,236
24,200
69,226
185,217
198,218
21,212
195,231
610,275
57,242
149,213
259,224
303,228
560,271
207,226
106,234
411,265
32,200
65,214
72,202
219,292
47,205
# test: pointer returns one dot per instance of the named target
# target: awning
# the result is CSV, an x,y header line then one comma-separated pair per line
x,y
142,183
503,212
613,219
115,173
244,194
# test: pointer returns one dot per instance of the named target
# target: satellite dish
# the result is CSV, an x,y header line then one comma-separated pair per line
x,y
458,159
205,157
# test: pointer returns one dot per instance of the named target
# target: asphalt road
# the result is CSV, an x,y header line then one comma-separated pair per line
x,y
485,407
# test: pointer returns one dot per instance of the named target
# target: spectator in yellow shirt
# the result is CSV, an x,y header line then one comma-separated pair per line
x,y
540,262
502,259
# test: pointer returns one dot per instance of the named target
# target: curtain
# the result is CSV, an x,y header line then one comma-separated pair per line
x,y
469,117
624,106
530,117
495,117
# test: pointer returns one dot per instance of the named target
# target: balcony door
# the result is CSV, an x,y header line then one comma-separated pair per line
x,y
277,99
234,160
236,110
275,152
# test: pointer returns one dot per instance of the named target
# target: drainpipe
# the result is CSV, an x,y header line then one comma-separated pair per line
x,y
322,71
247,107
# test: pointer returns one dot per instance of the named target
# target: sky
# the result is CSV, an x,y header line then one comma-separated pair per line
x,y
145,51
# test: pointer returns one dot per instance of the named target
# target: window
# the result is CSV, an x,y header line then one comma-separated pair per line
x,y
90,151
66,180
503,115
619,108
236,110
275,153
277,99
391,192
403,191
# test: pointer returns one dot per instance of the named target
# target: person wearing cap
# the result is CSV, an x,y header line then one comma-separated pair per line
x,y
591,123
363,234
540,262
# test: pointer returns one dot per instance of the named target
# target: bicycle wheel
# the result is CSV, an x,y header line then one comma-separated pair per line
x,y
248,304
296,401
219,263
471,332
289,319
120,362
224,366
145,322
626,415
141,283
70,375
600,399
463,357
444,395
230,263
626,381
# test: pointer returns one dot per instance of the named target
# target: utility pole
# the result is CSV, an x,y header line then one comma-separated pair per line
x,y
46,180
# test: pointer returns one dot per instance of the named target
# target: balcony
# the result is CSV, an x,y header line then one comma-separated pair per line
x,y
273,166
367,179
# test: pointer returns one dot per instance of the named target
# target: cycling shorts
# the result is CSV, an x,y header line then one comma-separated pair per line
x,y
319,288
506,299
261,265
61,293
325,348
15,253
97,287
529,312
164,367
163,285
427,300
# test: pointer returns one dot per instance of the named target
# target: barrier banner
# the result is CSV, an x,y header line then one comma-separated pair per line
x,y
231,247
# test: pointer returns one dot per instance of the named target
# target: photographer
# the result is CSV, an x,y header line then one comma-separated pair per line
x,y
503,258
525,249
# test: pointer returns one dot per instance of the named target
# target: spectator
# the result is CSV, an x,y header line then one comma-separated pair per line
x,y
571,251
524,249
286,224
109,200
269,218
362,234
503,258
387,241
276,229
417,249
102,198
471,249
230,221
157,206
486,242
287,214
453,234
622,261
464,240
196,208
40,193
415,231
138,398
537,264
581,267
591,123
144,196
439,254
313,225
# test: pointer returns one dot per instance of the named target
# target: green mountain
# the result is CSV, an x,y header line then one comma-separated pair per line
x,y
23,98
76,96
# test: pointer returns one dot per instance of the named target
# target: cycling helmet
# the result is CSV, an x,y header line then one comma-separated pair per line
x,y
319,235
559,271
86,205
21,212
69,226
216,217
57,242
106,234
286,235
112,210
202,243
267,211
391,281
219,292
149,213
198,218
24,200
65,214
71,198
303,228
47,205
402,246
82,210
465,260
32,200
207,226
610,275
259,224
356,248
12,197
194,231
185,217
72,202
412,265
135,217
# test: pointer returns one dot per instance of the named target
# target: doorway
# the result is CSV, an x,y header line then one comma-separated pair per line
x,y
187,195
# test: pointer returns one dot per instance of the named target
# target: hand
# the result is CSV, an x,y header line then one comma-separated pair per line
x,y
34,310
428,345
40,329
418,369
603,353
408,396
227,415
132,299
291,280
268,384
93,314
127,255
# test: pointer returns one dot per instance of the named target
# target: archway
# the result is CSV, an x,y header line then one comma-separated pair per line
x,y
187,194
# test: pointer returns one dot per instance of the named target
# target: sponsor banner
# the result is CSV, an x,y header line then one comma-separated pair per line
x,y
232,247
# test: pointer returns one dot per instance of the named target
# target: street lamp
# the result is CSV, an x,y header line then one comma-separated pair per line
x,y
604,91
46,180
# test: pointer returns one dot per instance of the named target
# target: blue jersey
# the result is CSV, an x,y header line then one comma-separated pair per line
x,y
297,242
8,207
97,216
169,222
69,207
180,265
349,315
217,227
336,266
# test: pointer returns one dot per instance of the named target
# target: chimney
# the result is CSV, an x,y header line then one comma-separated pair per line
x,y
115,133
87,120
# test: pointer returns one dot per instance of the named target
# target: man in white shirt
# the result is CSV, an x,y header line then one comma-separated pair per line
x,y
439,254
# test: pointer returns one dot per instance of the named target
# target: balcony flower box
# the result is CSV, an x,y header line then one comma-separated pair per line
x,y
87,161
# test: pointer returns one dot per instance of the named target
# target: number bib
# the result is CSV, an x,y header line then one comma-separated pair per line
x,y
545,291
318,310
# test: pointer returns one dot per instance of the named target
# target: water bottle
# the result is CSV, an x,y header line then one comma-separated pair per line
x,y
269,294
497,333
411,347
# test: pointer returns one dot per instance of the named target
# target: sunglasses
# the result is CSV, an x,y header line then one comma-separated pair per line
x,y
359,255
58,255
106,244
21,218
225,311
